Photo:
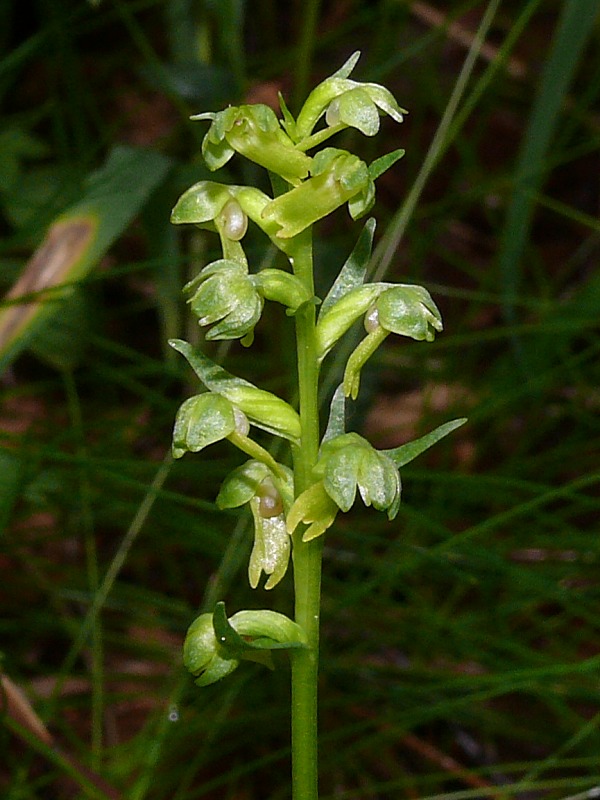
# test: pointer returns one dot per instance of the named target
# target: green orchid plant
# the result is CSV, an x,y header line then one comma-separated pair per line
x,y
292,504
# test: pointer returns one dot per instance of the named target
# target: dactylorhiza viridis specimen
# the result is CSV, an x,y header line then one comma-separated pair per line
x,y
292,503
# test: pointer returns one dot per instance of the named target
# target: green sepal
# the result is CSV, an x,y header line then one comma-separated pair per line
x,y
336,423
243,483
269,630
201,203
264,409
348,66
202,420
225,294
349,462
227,636
259,629
328,98
362,202
405,453
409,311
202,655
355,109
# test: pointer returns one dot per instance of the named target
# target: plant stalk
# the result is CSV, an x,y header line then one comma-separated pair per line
x,y
307,555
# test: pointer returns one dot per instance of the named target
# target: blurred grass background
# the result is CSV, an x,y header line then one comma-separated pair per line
x,y
461,643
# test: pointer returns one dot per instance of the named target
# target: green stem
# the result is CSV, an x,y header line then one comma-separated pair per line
x,y
307,555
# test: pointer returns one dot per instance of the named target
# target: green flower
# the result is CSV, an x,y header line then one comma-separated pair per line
x,y
402,309
256,484
215,207
201,421
347,103
224,293
408,311
202,655
254,132
207,418
226,210
214,645
347,463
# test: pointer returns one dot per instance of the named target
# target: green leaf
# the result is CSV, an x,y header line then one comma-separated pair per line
x,y
75,242
407,452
